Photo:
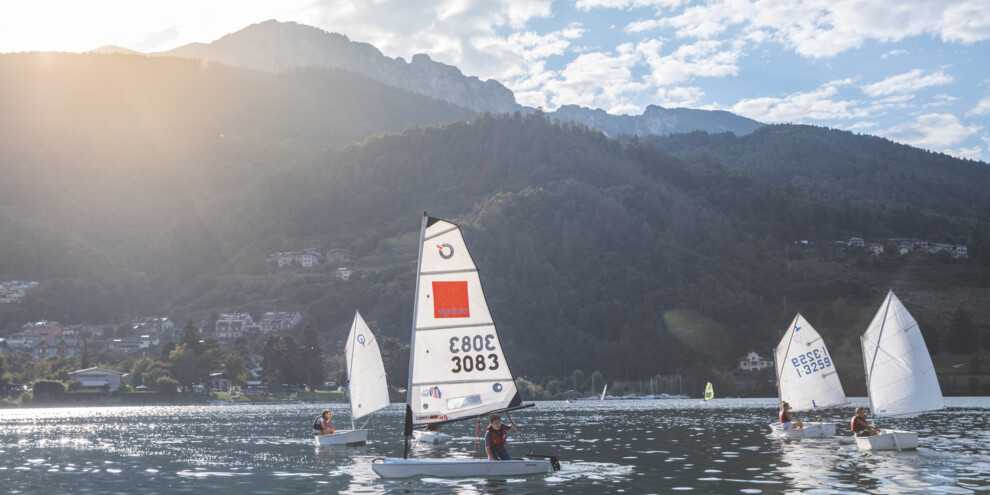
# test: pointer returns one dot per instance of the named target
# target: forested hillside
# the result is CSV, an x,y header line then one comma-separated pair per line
x,y
130,193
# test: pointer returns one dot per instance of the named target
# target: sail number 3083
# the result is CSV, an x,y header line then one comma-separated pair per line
x,y
479,362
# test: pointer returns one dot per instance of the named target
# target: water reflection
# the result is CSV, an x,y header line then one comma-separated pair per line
x,y
631,446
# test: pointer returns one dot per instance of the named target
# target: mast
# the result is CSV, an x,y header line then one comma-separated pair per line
x,y
407,430
350,369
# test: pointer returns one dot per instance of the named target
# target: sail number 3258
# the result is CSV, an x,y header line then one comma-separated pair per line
x,y
478,362
811,362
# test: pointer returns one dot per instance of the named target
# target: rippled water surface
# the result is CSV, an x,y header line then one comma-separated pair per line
x,y
607,447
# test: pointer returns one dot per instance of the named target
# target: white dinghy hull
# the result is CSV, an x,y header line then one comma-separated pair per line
x,y
889,440
810,430
343,437
456,468
431,437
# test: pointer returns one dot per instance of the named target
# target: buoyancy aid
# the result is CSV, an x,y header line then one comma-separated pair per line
x,y
318,423
498,436
782,415
852,424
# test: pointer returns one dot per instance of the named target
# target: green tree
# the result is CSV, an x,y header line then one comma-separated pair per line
x,y
190,337
235,367
274,360
187,367
311,356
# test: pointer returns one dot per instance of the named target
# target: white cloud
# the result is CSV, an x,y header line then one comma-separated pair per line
x,y
934,131
982,108
825,28
894,53
802,107
907,82
701,59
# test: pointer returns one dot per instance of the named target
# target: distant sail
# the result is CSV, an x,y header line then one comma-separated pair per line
x,y
805,371
457,367
709,392
900,376
365,370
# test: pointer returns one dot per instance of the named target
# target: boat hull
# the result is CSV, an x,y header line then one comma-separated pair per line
x,y
343,437
889,440
431,437
810,430
447,468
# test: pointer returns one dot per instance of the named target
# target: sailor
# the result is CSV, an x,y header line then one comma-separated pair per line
x,y
787,419
858,424
322,426
495,438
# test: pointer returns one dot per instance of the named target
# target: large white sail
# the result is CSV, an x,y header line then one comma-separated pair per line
x,y
806,374
900,377
457,368
365,371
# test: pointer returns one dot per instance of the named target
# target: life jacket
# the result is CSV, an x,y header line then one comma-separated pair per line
x,y
782,421
318,423
852,423
498,436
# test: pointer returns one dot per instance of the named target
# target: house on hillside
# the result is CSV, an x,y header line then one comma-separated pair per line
x,y
98,379
275,321
61,347
344,273
754,362
48,330
232,325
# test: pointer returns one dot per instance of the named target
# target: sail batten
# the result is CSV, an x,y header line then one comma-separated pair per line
x,y
448,327
900,378
806,375
457,366
444,272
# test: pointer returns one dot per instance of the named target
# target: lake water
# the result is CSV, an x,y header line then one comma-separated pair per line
x,y
659,446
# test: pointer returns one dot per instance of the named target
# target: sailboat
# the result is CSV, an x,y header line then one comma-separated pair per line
x,y
602,397
806,379
457,369
709,392
367,388
900,376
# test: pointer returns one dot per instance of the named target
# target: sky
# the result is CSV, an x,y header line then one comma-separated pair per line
x,y
913,71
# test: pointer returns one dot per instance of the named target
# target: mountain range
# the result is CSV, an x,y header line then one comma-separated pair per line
x,y
280,46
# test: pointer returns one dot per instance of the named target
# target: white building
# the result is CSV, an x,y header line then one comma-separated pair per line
x,y
95,379
274,321
232,325
754,362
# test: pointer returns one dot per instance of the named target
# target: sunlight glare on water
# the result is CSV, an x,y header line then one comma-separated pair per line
x,y
631,446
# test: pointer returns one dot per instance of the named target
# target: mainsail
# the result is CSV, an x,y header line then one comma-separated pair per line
x,y
709,391
900,377
806,375
365,371
456,367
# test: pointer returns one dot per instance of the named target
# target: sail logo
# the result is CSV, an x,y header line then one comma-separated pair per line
x,y
450,300
444,255
430,392
361,339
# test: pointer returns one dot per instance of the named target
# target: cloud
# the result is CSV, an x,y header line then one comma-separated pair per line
x,y
908,82
982,108
802,107
819,28
701,59
934,131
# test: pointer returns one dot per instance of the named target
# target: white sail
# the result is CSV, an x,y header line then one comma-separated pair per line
x,y
900,377
457,368
365,371
806,374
